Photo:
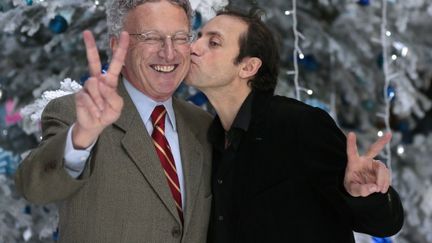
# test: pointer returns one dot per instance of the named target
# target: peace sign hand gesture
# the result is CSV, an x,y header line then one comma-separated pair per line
x,y
364,175
98,103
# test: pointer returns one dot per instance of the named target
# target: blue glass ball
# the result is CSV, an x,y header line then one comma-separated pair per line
x,y
198,99
196,21
29,2
309,63
27,209
55,235
319,104
391,92
381,240
58,24
368,105
105,68
363,2
380,60
86,76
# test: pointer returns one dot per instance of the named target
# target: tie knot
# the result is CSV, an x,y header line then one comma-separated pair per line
x,y
158,116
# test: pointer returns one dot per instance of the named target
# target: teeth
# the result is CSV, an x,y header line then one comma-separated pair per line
x,y
163,69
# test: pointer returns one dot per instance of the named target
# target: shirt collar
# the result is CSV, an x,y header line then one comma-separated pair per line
x,y
243,117
145,105
216,133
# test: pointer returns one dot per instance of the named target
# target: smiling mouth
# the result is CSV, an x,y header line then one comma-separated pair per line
x,y
164,68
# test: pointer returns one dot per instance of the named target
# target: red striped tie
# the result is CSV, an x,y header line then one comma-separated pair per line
x,y
164,152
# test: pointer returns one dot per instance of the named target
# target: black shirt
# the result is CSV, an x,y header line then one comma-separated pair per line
x,y
225,147
281,178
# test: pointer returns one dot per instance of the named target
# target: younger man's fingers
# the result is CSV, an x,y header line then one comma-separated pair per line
x,y
352,151
378,146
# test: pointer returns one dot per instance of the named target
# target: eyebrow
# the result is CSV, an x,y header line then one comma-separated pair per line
x,y
212,33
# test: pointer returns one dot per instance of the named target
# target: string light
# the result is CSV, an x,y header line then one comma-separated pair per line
x,y
400,150
380,133
387,99
307,91
404,51
401,48
296,48
297,53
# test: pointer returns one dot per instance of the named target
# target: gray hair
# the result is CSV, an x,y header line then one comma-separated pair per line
x,y
118,9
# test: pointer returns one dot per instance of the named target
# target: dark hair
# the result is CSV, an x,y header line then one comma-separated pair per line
x,y
258,41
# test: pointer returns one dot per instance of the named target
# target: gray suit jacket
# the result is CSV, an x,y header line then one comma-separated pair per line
x,y
122,195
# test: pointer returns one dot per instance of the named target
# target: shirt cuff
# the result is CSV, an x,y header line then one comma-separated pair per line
x,y
75,159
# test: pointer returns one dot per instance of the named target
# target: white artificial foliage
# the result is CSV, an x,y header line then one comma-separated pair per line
x,y
342,36
426,203
32,113
208,8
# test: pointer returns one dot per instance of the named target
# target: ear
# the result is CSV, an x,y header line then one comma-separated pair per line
x,y
249,67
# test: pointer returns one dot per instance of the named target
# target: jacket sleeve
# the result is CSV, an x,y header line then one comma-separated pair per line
x,y
41,177
325,145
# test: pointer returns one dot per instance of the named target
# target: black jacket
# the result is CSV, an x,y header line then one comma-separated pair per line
x,y
286,182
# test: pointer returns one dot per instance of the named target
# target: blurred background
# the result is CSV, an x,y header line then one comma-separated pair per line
x,y
366,62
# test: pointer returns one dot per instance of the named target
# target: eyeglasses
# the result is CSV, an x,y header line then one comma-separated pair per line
x,y
154,37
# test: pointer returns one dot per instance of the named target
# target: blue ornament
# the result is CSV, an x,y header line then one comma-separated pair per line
x,y
8,162
45,209
198,99
317,103
380,60
55,235
403,126
27,209
363,2
58,24
391,92
105,68
84,78
368,105
309,63
196,21
3,166
29,2
381,240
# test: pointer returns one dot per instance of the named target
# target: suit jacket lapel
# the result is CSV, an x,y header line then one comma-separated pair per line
x,y
191,155
139,146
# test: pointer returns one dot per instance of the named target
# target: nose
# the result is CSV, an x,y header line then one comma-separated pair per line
x,y
167,50
195,48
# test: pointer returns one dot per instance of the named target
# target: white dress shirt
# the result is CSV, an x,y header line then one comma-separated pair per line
x,y
75,160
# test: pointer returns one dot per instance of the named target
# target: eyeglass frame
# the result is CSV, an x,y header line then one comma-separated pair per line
x,y
163,38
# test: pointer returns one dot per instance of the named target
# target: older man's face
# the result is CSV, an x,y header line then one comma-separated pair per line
x,y
157,69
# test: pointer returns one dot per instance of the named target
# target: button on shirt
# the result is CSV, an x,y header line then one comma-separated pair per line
x,y
225,147
75,159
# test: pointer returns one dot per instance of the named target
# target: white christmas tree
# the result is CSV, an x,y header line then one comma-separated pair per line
x,y
350,58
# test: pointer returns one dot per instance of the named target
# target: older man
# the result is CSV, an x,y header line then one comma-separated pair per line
x,y
124,160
